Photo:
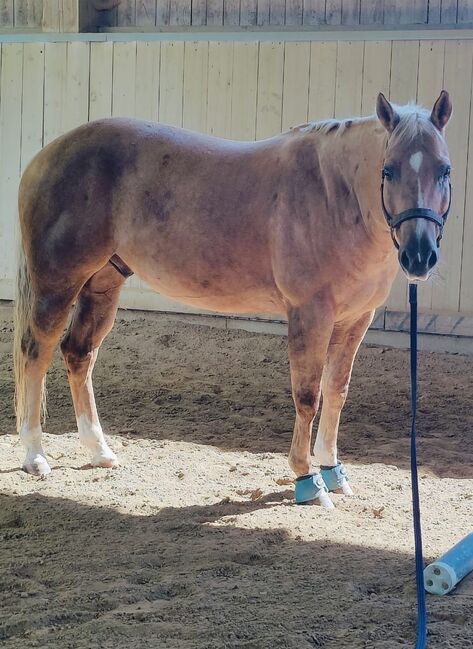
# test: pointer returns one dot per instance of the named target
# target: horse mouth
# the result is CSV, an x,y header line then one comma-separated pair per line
x,y
416,279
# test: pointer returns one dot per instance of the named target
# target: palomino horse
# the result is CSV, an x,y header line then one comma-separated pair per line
x,y
292,225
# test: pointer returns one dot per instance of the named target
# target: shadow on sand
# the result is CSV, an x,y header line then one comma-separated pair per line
x,y
75,576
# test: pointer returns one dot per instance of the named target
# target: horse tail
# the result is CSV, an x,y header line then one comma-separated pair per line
x,y
22,319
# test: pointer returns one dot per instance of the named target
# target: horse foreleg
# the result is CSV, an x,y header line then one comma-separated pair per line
x,y
93,318
309,332
344,344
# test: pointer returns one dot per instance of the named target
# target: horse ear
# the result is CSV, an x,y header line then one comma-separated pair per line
x,y
441,111
386,113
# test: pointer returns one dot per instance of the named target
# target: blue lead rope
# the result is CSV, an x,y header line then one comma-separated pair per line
x,y
421,610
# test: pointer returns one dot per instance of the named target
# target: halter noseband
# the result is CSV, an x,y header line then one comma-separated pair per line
x,y
394,221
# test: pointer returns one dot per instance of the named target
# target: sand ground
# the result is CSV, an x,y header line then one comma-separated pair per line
x,y
194,542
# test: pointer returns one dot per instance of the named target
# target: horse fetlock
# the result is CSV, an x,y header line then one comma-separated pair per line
x,y
92,437
300,465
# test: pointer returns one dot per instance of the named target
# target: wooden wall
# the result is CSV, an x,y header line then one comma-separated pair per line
x,y
242,90
40,15
290,13
91,15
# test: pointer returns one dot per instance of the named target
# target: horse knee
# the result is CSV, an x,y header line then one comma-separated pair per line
x,y
307,402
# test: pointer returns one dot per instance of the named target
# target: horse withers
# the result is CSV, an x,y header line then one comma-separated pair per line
x,y
295,224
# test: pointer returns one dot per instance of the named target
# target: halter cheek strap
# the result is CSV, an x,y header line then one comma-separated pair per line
x,y
394,221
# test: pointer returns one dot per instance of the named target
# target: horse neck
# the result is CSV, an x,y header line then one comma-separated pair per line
x,y
353,159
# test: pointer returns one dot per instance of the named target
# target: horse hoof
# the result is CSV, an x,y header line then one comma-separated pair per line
x,y
325,502
311,489
336,479
37,465
344,489
105,460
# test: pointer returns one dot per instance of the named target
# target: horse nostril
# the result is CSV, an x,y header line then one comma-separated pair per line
x,y
432,259
404,260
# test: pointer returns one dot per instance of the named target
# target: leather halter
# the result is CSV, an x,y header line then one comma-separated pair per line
x,y
394,221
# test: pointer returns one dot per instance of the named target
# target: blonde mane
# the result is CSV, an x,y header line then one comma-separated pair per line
x,y
413,120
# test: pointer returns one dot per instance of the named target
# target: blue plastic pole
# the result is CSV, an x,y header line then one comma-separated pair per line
x,y
443,575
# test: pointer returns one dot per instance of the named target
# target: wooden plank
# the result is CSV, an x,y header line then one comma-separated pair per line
x,y
126,13
263,12
465,11
434,11
70,16
296,84
413,12
32,104
196,74
294,12
270,87
372,12
76,105
171,82
219,101
349,73
10,138
55,63
333,12
21,10
350,12
314,12
392,12
244,90
402,89
231,12
277,12
123,82
466,283
199,12
432,323
148,56
404,71
323,73
448,13
376,74
6,13
52,16
248,13
429,84
100,91
214,12
163,9
180,12
457,71
145,13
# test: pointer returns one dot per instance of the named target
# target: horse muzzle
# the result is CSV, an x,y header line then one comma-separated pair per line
x,y
418,257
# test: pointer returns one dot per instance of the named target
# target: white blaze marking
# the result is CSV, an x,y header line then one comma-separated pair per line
x,y
416,161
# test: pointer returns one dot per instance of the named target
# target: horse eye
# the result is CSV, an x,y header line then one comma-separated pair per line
x,y
445,173
387,173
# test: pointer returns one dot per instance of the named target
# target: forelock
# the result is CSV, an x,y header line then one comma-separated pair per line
x,y
414,121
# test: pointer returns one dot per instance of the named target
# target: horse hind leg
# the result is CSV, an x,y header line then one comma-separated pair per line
x,y
93,318
40,317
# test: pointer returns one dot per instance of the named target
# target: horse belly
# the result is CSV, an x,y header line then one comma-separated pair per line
x,y
205,279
